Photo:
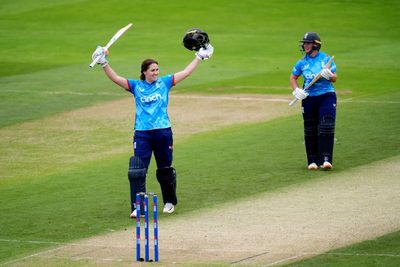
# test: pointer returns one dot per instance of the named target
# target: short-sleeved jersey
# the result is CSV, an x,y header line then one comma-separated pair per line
x,y
151,102
309,67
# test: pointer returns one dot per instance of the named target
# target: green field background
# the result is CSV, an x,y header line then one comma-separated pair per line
x,y
72,184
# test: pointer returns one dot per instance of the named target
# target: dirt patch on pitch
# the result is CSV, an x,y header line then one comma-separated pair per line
x,y
262,230
106,129
197,113
265,229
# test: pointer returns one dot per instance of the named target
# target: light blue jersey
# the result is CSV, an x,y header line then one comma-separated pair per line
x,y
309,67
151,102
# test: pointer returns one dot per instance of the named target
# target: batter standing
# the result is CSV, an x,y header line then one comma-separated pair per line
x,y
153,132
318,102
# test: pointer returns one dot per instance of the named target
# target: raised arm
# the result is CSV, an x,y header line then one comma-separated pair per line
x,y
183,74
203,54
111,74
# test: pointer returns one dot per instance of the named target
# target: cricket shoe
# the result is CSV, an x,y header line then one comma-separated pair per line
x,y
133,214
313,166
327,165
168,208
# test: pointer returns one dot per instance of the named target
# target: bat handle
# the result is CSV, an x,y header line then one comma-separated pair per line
x,y
293,102
94,62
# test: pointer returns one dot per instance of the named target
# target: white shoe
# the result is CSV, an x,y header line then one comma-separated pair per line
x,y
168,208
313,166
327,165
133,214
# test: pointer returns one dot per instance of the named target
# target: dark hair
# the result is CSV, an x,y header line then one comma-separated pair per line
x,y
145,65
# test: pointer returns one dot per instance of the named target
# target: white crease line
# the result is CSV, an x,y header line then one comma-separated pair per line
x,y
284,260
64,93
232,98
175,249
120,93
63,245
173,96
369,101
99,259
275,99
197,97
59,243
30,256
31,241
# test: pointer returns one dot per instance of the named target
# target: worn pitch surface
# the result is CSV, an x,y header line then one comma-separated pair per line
x,y
265,229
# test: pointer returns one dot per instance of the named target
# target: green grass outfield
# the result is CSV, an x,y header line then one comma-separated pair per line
x,y
46,48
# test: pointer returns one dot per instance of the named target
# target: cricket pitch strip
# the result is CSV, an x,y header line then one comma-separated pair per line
x,y
262,230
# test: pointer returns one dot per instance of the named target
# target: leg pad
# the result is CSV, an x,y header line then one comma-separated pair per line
x,y
167,179
137,178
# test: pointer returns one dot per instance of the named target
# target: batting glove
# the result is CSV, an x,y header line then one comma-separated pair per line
x,y
326,73
102,53
205,53
299,94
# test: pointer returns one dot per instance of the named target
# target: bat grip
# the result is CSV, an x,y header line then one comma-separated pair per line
x,y
94,62
316,78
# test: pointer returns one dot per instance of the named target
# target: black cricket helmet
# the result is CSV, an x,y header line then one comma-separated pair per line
x,y
311,37
195,39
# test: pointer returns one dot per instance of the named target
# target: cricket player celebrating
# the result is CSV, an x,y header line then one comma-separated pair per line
x,y
153,132
318,102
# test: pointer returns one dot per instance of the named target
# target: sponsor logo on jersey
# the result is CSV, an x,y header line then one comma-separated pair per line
x,y
150,98
309,76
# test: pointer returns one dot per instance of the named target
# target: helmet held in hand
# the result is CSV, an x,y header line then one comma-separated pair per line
x,y
195,39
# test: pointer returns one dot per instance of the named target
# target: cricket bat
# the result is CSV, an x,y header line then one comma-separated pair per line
x,y
116,36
